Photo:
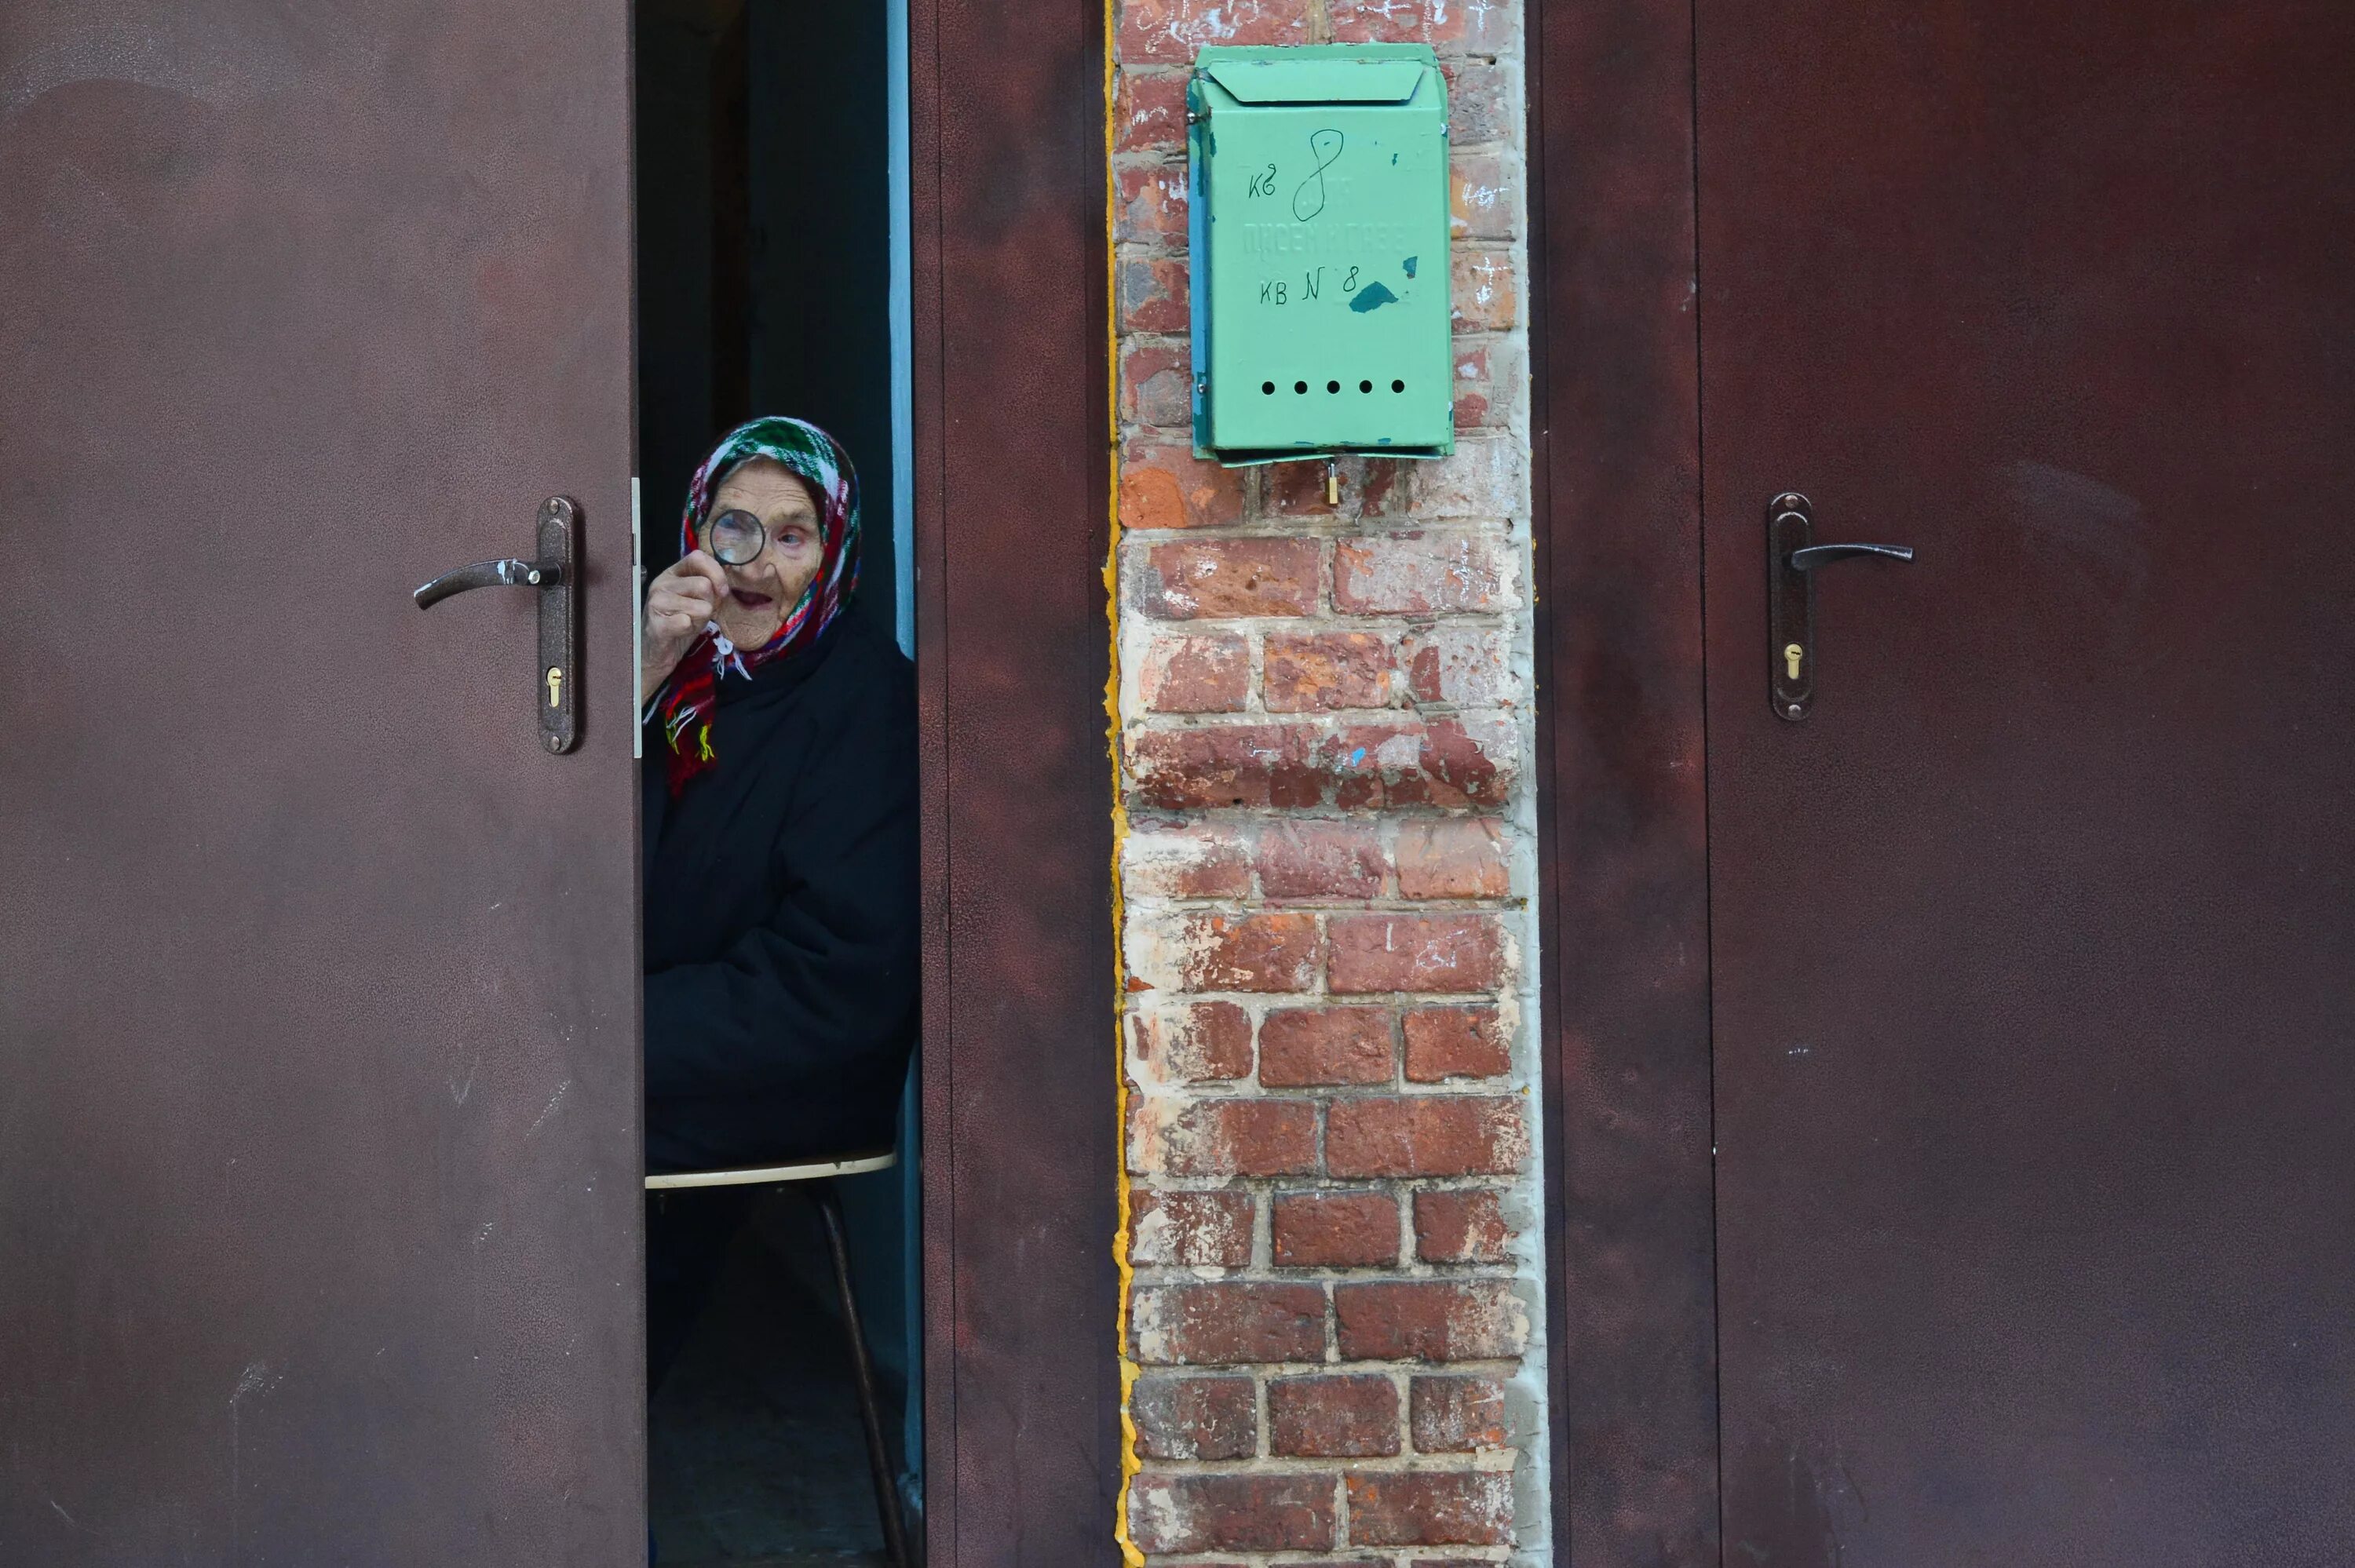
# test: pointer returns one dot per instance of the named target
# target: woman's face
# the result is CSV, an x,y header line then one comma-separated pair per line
x,y
761,592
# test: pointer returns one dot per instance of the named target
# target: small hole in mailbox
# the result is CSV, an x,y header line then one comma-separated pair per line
x,y
1332,387
1268,387
1300,386
1397,386
1365,385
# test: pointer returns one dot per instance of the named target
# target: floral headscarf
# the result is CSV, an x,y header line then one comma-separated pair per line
x,y
687,699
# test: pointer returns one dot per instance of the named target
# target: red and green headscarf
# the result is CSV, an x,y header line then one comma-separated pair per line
x,y
687,699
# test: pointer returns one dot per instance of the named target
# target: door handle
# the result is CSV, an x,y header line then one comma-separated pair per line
x,y
1814,555
508,573
1791,558
554,687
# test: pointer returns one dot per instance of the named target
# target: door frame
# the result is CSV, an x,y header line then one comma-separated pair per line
x,y
1012,460
1623,803
1012,415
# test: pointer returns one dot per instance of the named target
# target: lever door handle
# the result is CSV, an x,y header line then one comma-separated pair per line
x,y
508,573
1814,555
555,690
1792,557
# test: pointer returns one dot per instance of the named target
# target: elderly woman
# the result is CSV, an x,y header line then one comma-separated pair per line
x,y
780,818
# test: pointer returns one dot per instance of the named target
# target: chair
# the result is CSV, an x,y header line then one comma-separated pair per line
x,y
814,1180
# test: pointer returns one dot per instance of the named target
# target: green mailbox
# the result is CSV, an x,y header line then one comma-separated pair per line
x,y
1319,214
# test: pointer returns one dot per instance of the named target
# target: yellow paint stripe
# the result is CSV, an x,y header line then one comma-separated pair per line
x,y
1128,1368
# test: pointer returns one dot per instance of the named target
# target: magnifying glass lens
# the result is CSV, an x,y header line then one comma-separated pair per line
x,y
736,537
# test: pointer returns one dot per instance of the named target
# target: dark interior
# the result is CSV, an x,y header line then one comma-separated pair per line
x,y
763,252
763,244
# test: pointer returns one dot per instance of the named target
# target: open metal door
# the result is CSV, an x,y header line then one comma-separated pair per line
x,y
319,1142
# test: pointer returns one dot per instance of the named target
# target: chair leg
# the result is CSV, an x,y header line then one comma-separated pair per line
x,y
862,1367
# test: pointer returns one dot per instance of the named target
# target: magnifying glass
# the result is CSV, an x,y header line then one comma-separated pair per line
x,y
736,537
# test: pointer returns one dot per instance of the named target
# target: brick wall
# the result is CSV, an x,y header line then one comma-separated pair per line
x,y
1336,1284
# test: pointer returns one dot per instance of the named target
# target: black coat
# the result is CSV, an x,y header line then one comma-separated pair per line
x,y
781,912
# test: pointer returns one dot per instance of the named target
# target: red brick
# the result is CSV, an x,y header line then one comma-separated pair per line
x,y
1483,477
1458,1226
1450,27
1335,1230
1221,1137
1189,1229
1327,1562
1195,1512
1345,1418
1431,1508
1323,1561
1451,857
1153,295
1481,104
1149,113
1419,574
1456,1415
1157,383
1447,762
1411,952
1149,202
1192,579
1325,671
1484,196
1164,485
1430,1320
1490,379
1316,859
1476,399
1191,1045
1426,1135
1195,1417
1444,1043
1226,1323
1262,952
1195,951
1309,1046
1204,675
1370,487
1466,666
1168,32
1228,765
1484,298
1194,861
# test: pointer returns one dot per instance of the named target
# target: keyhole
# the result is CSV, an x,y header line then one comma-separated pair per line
x,y
1791,661
555,686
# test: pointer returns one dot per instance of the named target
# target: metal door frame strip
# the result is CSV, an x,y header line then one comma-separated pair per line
x,y
1623,867
1011,399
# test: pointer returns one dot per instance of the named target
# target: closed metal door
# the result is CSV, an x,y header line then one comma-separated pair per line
x,y
2032,940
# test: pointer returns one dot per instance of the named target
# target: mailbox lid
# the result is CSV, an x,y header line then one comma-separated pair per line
x,y
1357,77
1321,239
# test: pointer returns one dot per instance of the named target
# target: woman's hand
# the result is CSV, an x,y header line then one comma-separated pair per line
x,y
678,602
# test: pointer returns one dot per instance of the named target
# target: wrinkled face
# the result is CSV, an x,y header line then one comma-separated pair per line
x,y
763,591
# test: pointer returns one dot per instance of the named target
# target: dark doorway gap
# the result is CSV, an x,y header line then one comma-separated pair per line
x,y
764,245
763,286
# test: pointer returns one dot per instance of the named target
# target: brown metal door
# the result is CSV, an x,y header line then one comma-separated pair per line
x,y
318,1021
2034,946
